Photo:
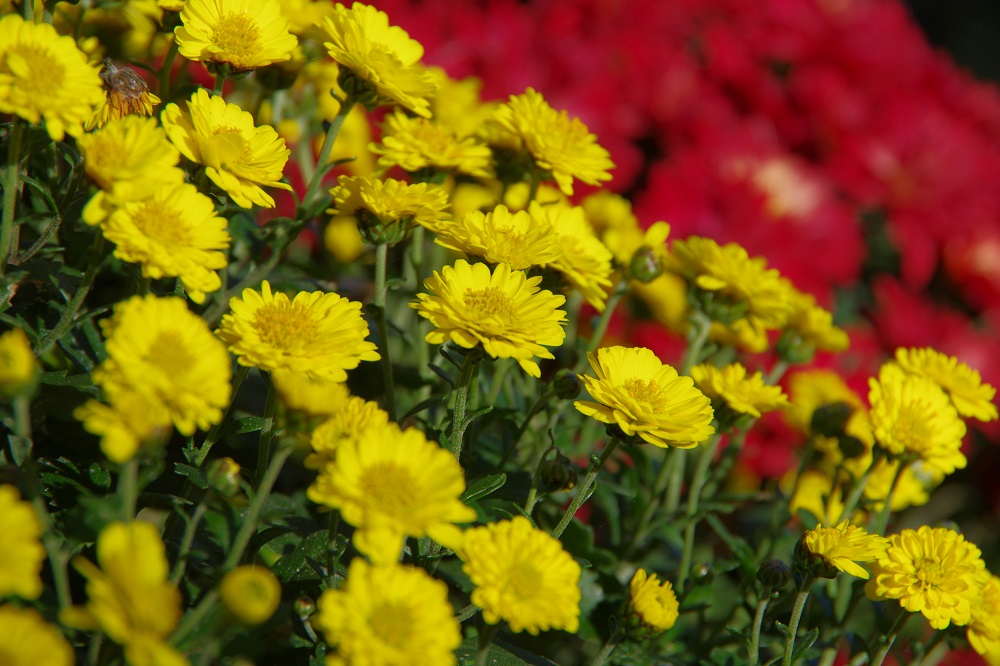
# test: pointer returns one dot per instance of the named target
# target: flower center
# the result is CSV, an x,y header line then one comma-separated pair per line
x,y
38,73
647,391
169,353
237,37
524,580
929,572
910,428
285,325
392,623
105,158
390,487
491,301
230,145
160,223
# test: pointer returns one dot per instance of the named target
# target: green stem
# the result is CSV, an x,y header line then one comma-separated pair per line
x,y
697,336
332,549
189,533
194,619
601,329
266,435
536,407
935,651
694,497
324,152
166,69
758,621
213,435
467,612
486,634
128,488
249,526
596,465
459,423
888,639
851,503
28,8
882,521
672,500
220,82
609,646
655,499
389,388
536,180
68,317
793,623
10,185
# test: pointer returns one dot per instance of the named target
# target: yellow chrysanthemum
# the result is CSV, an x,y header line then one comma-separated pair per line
x,y
18,367
172,233
381,56
502,310
387,615
22,553
652,602
28,640
844,545
522,576
157,347
971,396
313,395
912,488
238,156
458,104
342,239
45,76
129,596
304,16
244,34
500,237
392,484
812,389
643,396
983,631
414,144
814,325
818,494
741,287
318,334
608,211
388,206
911,414
131,420
563,147
251,593
934,571
353,417
125,93
584,260
741,393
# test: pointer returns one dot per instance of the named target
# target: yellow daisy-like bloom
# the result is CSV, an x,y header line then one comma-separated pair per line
x,y
18,367
131,420
742,287
584,261
502,310
563,147
238,156
392,484
814,325
817,493
157,347
845,545
318,334
125,93
971,396
244,34
913,485
343,240
500,237
813,389
933,571
313,395
129,596
912,414
641,395
43,75
417,143
304,15
354,416
386,615
379,204
983,631
251,593
28,640
458,104
522,576
22,554
381,56
173,233
652,603
741,393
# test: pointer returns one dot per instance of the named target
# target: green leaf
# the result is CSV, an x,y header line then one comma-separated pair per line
x,y
99,476
430,402
497,656
196,476
782,629
80,382
483,487
307,562
803,644
241,426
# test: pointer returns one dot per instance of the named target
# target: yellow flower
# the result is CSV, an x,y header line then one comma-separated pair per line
x,y
523,576
45,76
388,615
563,147
352,417
318,334
814,325
157,347
129,597
644,397
502,310
817,493
911,414
18,367
125,93
251,593
313,395
244,34
417,143
342,239
22,554
842,546
386,208
983,631
584,260
500,237
238,156
934,571
913,485
131,420
28,640
172,233
652,603
382,57
971,396
392,484
743,394
304,16
458,104
813,389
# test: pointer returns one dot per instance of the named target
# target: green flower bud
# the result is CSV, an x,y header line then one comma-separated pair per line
x,y
566,384
807,562
774,574
377,231
557,474
830,420
224,476
645,265
703,573
793,349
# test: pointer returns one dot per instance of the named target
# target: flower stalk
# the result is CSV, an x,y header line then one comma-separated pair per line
x,y
381,289
793,624
596,465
